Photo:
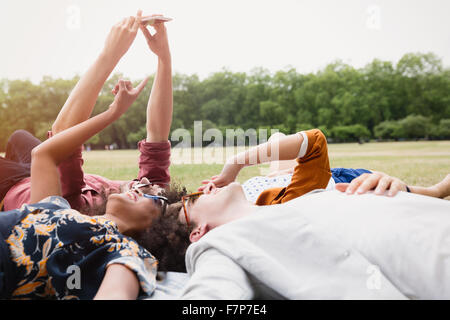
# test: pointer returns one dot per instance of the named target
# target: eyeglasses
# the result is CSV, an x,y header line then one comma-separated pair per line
x,y
159,200
185,200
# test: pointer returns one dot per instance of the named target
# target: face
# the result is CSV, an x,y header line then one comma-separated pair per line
x,y
134,209
207,207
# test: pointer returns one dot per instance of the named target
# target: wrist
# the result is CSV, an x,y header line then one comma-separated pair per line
x,y
111,114
165,58
108,58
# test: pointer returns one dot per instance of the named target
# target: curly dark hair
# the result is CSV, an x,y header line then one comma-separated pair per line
x,y
167,238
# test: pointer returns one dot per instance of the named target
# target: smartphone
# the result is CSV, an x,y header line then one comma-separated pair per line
x,y
151,19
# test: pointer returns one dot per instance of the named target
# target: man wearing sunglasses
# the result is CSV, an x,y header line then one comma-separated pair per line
x,y
87,192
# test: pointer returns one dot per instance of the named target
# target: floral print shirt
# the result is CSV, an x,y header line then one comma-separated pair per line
x,y
59,253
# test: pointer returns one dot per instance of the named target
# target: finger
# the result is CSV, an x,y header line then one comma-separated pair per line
x,y
121,84
130,22
368,184
137,22
356,183
128,85
142,85
383,185
158,25
396,186
342,187
146,33
206,181
115,89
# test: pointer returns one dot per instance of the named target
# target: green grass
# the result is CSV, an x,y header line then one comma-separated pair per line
x,y
417,163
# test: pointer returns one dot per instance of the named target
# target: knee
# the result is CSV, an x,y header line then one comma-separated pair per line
x,y
18,135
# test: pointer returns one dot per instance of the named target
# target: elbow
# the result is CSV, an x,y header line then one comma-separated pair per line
x,y
39,153
36,152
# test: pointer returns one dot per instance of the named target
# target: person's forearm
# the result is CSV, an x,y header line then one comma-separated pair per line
x,y
47,155
81,101
286,148
119,283
66,142
160,104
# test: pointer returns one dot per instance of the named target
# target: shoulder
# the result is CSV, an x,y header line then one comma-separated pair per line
x,y
50,203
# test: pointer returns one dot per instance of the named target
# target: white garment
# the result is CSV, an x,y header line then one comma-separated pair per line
x,y
254,186
328,245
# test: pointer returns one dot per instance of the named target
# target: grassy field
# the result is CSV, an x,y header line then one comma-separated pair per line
x,y
417,163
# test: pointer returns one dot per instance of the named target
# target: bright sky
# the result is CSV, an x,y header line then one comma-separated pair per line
x,y
62,38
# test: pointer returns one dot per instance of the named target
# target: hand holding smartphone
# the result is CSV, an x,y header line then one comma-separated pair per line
x,y
152,19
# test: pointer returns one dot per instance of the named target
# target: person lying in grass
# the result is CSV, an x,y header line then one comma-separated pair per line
x,y
312,172
281,172
88,192
44,241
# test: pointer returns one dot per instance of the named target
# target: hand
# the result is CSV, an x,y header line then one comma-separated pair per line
x,y
122,36
158,43
125,95
227,176
379,181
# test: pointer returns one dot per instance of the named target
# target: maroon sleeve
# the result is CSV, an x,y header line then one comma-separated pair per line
x,y
71,174
154,162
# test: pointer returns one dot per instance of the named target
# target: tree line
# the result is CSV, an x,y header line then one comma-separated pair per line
x,y
382,100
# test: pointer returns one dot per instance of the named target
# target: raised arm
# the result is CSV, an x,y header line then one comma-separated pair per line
x,y
81,101
46,156
284,148
160,103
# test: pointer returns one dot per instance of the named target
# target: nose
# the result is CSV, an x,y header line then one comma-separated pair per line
x,y
144,180
209,188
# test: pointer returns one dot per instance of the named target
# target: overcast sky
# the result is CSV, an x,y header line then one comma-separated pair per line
x,y
61,38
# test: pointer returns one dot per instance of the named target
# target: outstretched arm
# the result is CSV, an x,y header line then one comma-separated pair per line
x,y
81,101
160,103
46,156
383,184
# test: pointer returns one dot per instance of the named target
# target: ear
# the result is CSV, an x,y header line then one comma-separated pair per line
x,y
198,232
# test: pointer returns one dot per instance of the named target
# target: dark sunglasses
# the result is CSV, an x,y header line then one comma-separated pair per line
x,y
159,200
